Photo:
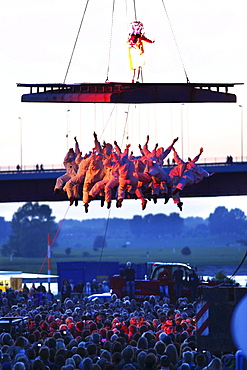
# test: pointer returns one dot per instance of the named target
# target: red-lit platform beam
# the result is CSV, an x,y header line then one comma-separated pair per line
x,y
129,93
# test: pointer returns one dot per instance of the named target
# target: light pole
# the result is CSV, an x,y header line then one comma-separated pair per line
x,y
20,141
241,122
182,134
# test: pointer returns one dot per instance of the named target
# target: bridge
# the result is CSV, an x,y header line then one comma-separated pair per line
x,y
37,186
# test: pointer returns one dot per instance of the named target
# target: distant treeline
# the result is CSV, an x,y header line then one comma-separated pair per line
x,y
222,227
31,223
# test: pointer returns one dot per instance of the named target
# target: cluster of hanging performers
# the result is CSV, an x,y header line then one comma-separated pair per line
x,y
107,173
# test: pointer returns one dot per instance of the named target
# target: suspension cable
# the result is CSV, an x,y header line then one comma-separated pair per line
x,y
134,3
126,121
187,78
107,121
75,42
109,55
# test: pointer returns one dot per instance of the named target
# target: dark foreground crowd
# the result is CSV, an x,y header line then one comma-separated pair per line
x,y
117,335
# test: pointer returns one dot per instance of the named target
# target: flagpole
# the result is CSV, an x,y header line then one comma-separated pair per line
x,y
49,261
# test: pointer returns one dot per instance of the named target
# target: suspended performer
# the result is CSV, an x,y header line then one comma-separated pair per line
x,y
136,49
71,168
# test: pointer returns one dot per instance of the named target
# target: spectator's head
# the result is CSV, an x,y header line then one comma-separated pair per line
x,y
38,365
200,360
116,347
127,353
164,361
150,361
141,358
68,367
78,359
116,358
129,367
44,353
87,364
71,361
160,347
185,366
91,349
187,357
19,366
142,343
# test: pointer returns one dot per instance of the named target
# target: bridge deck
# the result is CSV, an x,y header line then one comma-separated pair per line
x,y
117,92
28,186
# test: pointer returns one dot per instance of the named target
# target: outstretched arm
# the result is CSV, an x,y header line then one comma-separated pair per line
x,y
168,150
77,149
198,155
117,148
141,150
174,141
177,159
145,147
97,145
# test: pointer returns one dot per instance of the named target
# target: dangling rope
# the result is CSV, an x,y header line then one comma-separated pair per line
x,y
126,121
187,78
54,239
103,243
107,121
109,56
134,3
236,270
75,42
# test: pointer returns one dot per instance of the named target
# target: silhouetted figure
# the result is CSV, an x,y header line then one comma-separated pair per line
x,y
164,277
193,284
129,275
178,281
65,290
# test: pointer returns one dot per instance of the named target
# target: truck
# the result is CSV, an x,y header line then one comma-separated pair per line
x,y
150,285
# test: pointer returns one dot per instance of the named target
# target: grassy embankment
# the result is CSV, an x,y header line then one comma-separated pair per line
x,y
200,256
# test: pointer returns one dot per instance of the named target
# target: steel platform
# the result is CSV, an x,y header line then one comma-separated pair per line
x,y
136,93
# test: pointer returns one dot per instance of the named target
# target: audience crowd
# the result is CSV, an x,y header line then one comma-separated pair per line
x,y
120,334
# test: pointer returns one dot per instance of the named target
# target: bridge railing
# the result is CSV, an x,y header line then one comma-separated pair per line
x,y
60,167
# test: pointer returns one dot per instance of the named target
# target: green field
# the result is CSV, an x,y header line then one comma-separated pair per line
x,y
202,257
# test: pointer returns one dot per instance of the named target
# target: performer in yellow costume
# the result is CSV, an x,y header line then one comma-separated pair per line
x,y
136,48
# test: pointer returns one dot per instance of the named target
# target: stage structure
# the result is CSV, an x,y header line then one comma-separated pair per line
x,y
135,93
